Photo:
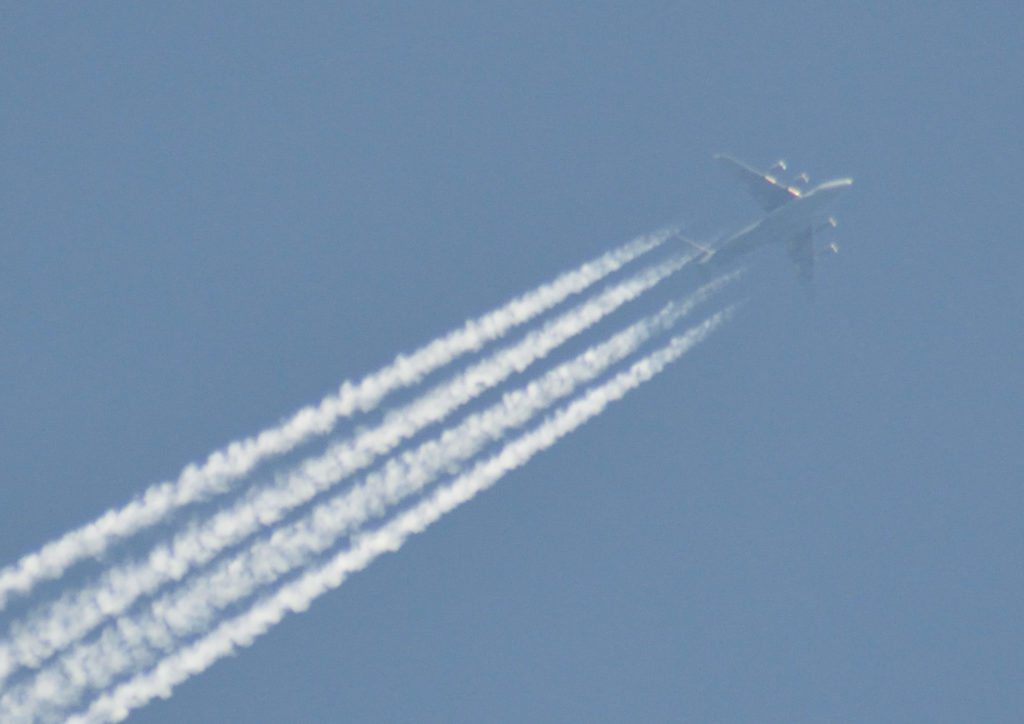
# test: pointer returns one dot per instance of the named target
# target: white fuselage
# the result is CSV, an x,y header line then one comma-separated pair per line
x,y
790,220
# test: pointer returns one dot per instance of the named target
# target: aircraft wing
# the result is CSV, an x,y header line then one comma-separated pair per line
x,y
765,189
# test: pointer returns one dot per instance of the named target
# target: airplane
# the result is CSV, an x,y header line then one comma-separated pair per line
x,y
791,217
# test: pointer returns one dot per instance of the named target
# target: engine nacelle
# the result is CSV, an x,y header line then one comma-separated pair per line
x,y
829,223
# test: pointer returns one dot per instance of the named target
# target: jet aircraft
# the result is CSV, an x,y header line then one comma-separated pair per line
x,y
791,217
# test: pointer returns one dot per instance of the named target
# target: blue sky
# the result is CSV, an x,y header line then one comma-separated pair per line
x,y
215,214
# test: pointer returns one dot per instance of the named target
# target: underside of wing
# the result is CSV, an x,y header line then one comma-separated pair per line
x,y
766,190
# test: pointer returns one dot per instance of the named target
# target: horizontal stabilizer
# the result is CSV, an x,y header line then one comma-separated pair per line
x,y
702,253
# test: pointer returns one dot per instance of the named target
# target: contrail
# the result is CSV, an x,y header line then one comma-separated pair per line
x,y
196,483
59,624
296,596
185,611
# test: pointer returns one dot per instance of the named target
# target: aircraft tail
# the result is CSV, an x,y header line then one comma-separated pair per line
x,y
702,253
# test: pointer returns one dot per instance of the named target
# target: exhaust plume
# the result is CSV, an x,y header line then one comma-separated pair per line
x,y
296,596
64,621
200,482
186,611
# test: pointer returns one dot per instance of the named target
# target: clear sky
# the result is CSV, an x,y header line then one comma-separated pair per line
x,y
215,213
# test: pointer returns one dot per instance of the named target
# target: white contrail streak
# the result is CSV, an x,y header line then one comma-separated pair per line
x,y
296,596
190,609
61,623
196,483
